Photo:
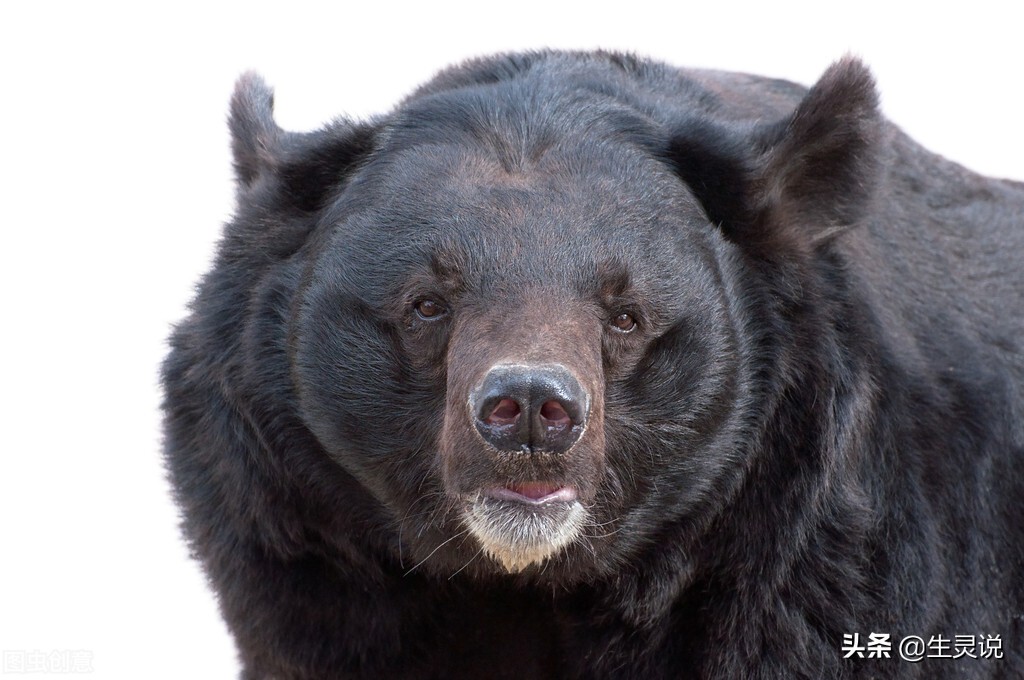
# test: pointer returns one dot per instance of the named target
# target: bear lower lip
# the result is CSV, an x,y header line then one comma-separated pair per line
x,y
533,493
518,531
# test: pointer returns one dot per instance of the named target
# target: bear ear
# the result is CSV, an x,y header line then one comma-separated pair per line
x,y
303,167
795,182
819,168
255,137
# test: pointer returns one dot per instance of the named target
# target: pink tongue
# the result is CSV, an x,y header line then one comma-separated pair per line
x,y
534,490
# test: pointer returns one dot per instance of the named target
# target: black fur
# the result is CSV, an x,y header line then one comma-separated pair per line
x,y
816,427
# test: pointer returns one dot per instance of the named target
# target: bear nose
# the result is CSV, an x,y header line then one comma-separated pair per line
x,y
530,408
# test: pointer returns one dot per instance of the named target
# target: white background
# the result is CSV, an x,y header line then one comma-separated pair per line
x,y
115,179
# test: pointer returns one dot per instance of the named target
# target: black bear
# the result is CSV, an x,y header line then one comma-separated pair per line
x,y
577,365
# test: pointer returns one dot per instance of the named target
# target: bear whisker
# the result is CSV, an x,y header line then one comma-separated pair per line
x,y
441,545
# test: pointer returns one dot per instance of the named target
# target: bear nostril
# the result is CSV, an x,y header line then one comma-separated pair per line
x,y
505,412
553,414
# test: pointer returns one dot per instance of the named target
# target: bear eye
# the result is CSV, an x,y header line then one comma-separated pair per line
x,y
624,323
429,310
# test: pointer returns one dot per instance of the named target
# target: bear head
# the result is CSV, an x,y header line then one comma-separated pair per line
x,y
529,314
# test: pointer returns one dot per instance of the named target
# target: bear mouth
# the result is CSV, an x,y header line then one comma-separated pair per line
x,y
533,493
519,525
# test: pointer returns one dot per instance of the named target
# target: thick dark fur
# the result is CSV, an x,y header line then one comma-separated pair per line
x,y
816,428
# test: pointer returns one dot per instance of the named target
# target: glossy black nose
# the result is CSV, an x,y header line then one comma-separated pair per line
x,y
530,408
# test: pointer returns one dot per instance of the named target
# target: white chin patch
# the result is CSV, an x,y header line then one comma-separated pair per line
x,y
520,534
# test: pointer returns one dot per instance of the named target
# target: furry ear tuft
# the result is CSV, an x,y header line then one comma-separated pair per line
x,y
302,167
795,182
255,137
820,167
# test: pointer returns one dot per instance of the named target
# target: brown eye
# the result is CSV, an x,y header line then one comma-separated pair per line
x,y
624,323
428,309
